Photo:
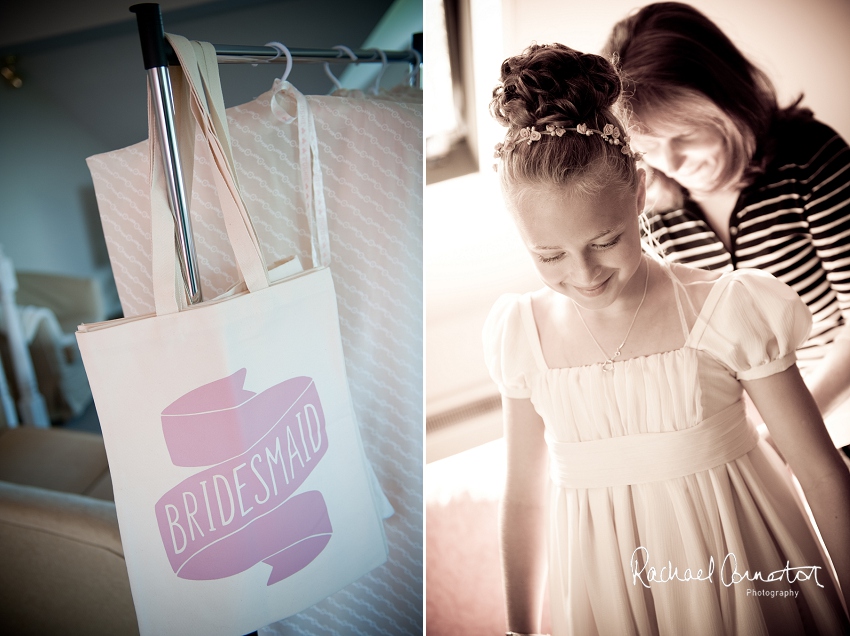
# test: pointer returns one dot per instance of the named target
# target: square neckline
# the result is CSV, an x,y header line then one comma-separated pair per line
x,y
708,306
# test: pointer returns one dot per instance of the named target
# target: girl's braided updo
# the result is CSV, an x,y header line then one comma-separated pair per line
x,y
556,85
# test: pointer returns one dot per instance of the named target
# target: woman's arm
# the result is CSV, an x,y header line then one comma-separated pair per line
x,y
794,422
523,516
829,382
826,197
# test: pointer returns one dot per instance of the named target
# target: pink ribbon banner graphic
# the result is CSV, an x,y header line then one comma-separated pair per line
x,y
243,509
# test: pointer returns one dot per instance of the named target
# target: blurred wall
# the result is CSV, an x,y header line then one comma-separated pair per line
x,y
48,214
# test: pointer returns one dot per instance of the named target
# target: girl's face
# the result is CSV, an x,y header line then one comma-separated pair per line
x,y
584,247
694,156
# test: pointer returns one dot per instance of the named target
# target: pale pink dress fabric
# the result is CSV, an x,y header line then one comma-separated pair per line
x,y
658,454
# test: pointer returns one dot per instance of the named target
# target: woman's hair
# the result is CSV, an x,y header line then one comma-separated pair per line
x,y
678,66
551,84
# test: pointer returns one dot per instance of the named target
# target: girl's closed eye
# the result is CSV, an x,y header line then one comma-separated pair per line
x,y
550,259
605,246
594,246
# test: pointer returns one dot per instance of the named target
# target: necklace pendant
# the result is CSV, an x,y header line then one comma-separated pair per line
x,y
608,365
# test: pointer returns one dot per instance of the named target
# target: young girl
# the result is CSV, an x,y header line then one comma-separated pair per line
x,y
630,458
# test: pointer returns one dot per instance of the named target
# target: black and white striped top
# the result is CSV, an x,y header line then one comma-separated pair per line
x,y
793,221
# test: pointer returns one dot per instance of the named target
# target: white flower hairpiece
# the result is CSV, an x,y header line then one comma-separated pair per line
x,y
609,133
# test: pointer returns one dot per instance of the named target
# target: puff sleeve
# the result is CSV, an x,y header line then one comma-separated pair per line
x,y
506,350
755,324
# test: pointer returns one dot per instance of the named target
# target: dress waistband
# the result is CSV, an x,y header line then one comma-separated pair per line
x,y
647,457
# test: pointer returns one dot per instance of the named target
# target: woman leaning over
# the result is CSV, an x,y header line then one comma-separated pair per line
x,y
739,182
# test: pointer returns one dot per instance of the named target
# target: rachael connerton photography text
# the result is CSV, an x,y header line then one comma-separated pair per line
x,y
728,574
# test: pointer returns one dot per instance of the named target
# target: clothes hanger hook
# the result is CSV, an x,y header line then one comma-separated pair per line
x,y
282,49
384,63
413,76
342,49
277,55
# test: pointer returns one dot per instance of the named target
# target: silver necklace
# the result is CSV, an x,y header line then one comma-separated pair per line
x,y
608,365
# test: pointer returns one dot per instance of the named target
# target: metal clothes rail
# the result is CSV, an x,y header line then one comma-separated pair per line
x,y
157,55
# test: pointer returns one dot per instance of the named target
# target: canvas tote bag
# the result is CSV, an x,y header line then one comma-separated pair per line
x,y
241,486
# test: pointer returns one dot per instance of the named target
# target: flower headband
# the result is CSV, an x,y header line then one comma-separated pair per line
x,y
609,133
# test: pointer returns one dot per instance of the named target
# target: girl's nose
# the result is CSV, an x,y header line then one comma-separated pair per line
x,y
585,271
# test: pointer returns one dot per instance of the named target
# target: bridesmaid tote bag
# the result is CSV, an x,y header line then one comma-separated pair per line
x,y
241,486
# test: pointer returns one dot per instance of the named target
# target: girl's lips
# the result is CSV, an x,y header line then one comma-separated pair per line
x,y
592,291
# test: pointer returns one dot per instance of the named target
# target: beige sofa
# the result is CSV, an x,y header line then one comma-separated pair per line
x,y
62,568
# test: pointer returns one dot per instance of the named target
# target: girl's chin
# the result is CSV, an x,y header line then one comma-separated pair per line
x,y
591,299
586,298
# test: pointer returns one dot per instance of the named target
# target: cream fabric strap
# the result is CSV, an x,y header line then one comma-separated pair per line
x,y
197,96
311,172
648,457
200,59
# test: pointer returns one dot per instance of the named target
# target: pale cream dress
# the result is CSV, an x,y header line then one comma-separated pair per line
x,y
654,464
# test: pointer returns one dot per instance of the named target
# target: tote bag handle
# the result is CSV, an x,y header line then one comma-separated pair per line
x,y
308,148
198,101
311,175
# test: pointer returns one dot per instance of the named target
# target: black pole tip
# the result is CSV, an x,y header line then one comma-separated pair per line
x,y
151,34
145,8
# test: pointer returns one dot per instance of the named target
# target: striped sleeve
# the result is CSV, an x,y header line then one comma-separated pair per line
x,y
685,238
827,208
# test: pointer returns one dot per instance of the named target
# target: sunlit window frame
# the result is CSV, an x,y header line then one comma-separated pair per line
x,y
448,153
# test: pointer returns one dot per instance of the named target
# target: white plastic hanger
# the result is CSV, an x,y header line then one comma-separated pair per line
x,y
374,90
282,49
343,49
412,78
271,60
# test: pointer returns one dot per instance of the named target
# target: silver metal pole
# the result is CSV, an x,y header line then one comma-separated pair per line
x,y
160,84
238,54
